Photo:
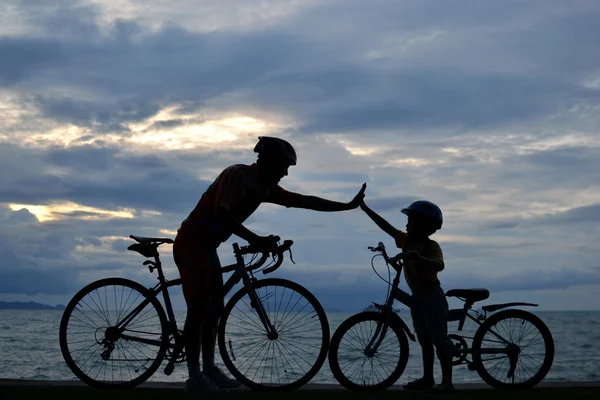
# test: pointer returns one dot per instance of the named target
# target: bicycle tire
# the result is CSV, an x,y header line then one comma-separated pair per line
x,y
64,330
493,321
227,354
336,340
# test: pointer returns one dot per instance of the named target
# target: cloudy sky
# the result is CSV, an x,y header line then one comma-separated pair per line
x,y
115,115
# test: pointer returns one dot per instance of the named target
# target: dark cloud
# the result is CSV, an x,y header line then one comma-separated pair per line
x,y
452,99
574,218
566,167
34,281
172,123
23,58
43,258
103,116
502,225
388,204
134,78
417,78
587,214
134,74
335,176
105,177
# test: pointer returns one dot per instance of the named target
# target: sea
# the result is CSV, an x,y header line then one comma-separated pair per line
x,y
29,348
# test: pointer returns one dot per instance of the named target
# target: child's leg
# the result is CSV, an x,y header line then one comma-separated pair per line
x,y
438,329
427,352
444,349
427,349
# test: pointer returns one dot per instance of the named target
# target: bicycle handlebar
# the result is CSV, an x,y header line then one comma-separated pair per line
x,y
286,246
381,248
249,249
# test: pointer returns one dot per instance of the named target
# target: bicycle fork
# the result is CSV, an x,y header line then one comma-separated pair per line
x,y
380,332
382,326
257,305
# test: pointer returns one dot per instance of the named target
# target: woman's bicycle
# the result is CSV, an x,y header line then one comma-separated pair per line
x,y
273,333
512,348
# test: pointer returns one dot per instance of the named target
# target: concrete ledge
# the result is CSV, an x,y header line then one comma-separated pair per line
x,y
24,389
311,387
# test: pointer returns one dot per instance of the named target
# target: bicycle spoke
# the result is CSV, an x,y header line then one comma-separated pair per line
x,y
351,345
249,350
522,331
260,327
285,319
293,319
278,360
356,366
102,354
260,349
312,321
291,368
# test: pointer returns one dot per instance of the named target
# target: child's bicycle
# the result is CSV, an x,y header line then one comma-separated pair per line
x,y
511,349
273,333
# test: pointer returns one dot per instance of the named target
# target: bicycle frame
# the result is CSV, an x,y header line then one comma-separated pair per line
x,y
241,273
459,314
387,310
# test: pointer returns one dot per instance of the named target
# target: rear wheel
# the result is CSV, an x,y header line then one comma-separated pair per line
x,y
99,353
529,350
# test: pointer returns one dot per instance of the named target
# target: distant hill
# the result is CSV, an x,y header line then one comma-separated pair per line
x,y
19,305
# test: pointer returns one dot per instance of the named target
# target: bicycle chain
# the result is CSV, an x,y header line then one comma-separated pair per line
x,y
145,333
169,354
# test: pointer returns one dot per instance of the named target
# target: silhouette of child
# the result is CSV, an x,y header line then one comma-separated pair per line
x,y
429,307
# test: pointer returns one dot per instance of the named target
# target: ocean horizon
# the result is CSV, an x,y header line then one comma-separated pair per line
x,y
30,349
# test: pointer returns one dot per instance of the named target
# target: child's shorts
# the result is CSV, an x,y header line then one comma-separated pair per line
x,y
429,313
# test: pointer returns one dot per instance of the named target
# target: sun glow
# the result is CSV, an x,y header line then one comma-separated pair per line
x,y
230,131
169,129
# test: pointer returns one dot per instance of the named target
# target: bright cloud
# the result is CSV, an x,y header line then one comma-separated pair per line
x,y
53,212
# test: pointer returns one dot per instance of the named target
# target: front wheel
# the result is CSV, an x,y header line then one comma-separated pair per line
x,y
357,369
524,350
286,359
99,349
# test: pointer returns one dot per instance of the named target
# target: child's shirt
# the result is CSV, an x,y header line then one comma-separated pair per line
x,y
418,276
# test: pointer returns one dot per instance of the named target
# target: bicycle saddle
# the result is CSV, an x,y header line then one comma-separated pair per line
x,y
469,294
143,239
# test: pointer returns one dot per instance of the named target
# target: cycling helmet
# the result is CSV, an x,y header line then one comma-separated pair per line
x,y
427,209
269,146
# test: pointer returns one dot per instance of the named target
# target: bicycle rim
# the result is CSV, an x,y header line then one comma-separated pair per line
x,y
97,352
292,358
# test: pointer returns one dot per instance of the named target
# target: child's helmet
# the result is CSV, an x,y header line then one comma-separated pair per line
x,y
426,209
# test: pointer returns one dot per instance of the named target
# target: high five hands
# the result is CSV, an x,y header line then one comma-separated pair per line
x,y
357,200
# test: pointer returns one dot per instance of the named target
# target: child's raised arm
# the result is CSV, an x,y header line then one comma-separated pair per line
x,y
381,223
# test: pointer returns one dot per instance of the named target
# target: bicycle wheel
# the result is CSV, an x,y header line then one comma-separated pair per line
x,y
286,361
532,348
355,370
102,355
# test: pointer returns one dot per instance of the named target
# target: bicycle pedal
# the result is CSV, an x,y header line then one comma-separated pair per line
x,y
169,368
